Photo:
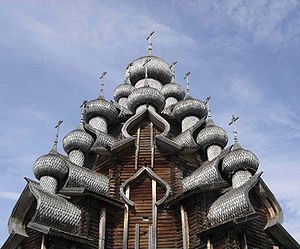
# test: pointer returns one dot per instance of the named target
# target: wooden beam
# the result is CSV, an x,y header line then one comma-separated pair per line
x,y
126,220
102,226
150,238
185,228
43,246
154,215
137,237
137,148
245,241
152,144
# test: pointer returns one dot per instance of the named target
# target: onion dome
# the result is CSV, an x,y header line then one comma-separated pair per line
x,y
77,140
149,82
212,135
100,107
51,164
239,159
173,90
189,107
158,69
146,95
123,91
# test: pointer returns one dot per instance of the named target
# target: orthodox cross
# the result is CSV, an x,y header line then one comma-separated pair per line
x,y
102,84
145,65
206,102
128,73
149,39
82,107
233,121
186,77
173,69
56,135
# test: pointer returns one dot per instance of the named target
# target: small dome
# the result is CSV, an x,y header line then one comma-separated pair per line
x,y
212,135
146,95
122,91
173,90
151,82
77,140
157,69
189,107
100,107
51,164
239,159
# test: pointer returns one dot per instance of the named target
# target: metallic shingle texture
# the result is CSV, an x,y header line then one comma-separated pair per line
x,y
123,90
104,140
239,159
173,90
77,157
99,123
77,139
233,205
151,82
212,135
100,107
205,174
189,107
146,95
86,178
157,69
54,211
49,184
51,164
186,140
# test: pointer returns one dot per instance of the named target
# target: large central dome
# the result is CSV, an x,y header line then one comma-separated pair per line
x,y
158,69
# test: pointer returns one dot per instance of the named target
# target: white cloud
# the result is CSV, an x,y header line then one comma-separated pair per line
x,y
9,195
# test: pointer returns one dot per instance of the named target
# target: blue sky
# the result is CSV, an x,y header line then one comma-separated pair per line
x,y
245,54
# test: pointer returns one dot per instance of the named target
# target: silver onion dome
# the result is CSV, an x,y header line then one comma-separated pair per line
x,y
212,135
189,107
157,69
173,90
100,107
146,95
51,164
239,159
77,140
122,91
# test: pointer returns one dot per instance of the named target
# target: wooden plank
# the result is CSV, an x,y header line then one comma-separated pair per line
x,y
150,238
154,215
43,246
102,225
184,227
126,218
137,148
137,237
152,145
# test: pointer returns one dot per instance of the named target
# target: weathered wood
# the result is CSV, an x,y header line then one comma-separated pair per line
x,y
137,236
126,218
137,148
43,246
102,228
154,215
152,145
185,228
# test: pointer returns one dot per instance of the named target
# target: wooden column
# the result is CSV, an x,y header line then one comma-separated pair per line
x,y
126,221
245,241
43,246
152,145
185,228
102,227
209,244
154,216
137,148
137,237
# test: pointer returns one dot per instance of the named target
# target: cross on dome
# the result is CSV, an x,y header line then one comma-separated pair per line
x,y
233,121
102,84
145,65
149,39
57,127
186,77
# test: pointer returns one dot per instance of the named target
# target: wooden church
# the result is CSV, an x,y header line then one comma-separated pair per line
x,y
148,170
